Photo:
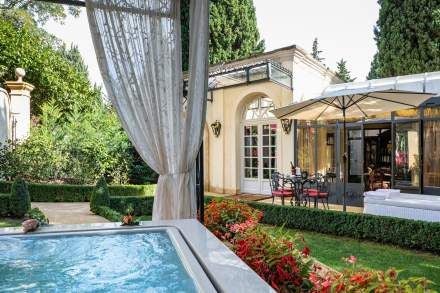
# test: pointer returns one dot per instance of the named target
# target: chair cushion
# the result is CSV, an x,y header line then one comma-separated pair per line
x,y
282,193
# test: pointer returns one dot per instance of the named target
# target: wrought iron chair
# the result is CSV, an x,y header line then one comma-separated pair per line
x,y
279,188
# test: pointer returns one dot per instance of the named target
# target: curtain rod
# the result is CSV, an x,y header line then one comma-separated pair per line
x,y
133,10
66,2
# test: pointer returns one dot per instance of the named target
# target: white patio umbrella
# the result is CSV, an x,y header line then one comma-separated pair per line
x,y
352,103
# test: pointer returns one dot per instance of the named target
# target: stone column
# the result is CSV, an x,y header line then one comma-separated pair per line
x,y
20,106
5,133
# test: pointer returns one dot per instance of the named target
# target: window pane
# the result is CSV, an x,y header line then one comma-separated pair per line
x,y
255,163
265,152
254,129
247,162
273,140
265,140
273,128
265,162
247,130
254,173
254,140
407,154
272,151
273,163
265,129
247,152
254,152
266,174
431,166
247,141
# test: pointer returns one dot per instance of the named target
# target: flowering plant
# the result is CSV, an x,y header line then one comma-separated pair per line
x,y
276,259
226,218
364,280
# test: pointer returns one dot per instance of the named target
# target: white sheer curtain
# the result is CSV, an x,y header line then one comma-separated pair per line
x,y
138,46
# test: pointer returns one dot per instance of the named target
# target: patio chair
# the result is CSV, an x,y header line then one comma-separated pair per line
x,y
281,188
317,189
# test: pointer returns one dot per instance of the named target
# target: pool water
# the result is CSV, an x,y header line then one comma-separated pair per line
x,y
112,262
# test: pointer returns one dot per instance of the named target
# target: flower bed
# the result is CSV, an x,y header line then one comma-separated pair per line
x,y
278,260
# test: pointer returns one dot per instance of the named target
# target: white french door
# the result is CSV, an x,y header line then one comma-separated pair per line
x,y
259,156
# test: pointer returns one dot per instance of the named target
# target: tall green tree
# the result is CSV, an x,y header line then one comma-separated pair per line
x,y
58,73
407,35
316,53
342,71
233,31
41,11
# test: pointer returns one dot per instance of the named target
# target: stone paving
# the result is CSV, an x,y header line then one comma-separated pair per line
x,y
68,212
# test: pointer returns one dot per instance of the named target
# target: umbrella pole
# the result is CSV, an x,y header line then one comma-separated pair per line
x,y
344,160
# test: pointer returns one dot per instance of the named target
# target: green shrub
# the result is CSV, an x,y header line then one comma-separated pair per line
x,y
142,205
101,196
38,215
20,201
76,193
108,213
401,232
4,205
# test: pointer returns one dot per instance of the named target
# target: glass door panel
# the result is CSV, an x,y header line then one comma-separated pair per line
x,y
431,165
251,151
269,137
407,157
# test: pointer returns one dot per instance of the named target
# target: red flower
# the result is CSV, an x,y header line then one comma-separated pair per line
x,y
305,251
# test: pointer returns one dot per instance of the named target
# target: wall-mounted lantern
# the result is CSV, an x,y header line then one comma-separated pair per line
x,y
216,127
286,124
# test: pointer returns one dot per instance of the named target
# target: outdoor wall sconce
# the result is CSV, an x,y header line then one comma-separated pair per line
x,y
286,124
216,127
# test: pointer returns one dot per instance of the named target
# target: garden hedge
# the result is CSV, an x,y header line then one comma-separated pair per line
x,y
108,213
76,193
4,204
142,205
401,232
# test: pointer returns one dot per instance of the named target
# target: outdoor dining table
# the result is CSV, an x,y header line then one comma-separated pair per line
x,y
297,181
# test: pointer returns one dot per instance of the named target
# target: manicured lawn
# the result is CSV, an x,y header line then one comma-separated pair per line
x,y
7,222
331,250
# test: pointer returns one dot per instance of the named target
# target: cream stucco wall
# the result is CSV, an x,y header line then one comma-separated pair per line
x,y
224,152
4,116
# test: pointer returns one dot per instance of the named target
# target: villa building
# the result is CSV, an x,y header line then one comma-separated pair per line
x,y
243,141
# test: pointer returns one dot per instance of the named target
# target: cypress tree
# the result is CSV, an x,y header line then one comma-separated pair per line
x,y
20,200
407,35
233,31
342,72
315,51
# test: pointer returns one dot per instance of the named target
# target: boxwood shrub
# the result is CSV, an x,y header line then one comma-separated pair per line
x,y
4,205
108,213
142,205
401,232
19,201
76,193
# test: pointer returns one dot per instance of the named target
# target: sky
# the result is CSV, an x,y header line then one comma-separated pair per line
x,y
344,29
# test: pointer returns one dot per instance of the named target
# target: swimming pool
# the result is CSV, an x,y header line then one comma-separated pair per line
x,y
204,264
140,260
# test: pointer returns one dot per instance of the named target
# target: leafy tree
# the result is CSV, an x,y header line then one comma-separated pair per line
x,y
316,53
233,31
57,73
75,149
342,72
20,201
42,11
407,35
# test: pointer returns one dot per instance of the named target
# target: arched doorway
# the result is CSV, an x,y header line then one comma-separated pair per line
x,y
259,144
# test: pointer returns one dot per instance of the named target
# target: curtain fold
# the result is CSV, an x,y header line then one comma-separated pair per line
x,y
138,47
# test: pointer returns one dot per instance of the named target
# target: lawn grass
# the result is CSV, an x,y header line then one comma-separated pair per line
x,y
331,250
8,222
